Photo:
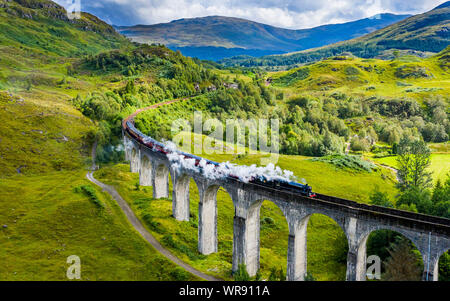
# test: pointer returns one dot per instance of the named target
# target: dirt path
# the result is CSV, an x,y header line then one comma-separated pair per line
x,y
135,222
395,171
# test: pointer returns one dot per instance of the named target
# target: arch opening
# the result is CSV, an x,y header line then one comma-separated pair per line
x,y
225,228
273,236
442,267
399,258
327,249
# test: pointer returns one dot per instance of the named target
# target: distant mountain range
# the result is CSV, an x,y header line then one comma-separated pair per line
x,y
427,32
218,37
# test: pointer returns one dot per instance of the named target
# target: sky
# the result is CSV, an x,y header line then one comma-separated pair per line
x,y
293,14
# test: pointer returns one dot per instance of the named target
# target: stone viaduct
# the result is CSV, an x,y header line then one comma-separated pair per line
x,y
431,235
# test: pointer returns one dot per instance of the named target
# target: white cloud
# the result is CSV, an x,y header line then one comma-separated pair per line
x,y
294,14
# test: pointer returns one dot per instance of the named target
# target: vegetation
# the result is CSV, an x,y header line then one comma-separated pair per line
x,y
402,264
326,241
44,220
413,159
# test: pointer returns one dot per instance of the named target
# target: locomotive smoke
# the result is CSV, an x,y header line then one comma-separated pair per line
x,y
213,172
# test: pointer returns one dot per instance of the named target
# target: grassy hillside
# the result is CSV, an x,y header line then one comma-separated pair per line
x,y
406,76
217,37
46,218
48,210
440,165
42,26
423,32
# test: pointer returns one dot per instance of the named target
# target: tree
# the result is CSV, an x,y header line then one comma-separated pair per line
x,y
403,264
441,198
413,160
416,200
379,198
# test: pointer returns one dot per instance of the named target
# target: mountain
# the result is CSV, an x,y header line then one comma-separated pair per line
x,y
427,32
217,37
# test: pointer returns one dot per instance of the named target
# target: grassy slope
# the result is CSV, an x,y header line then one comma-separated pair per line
x,y
372,77
47,222
326,260
43,137
380,81
440,165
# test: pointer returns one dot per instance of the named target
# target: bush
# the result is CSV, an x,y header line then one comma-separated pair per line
x,y
348,161
309,277
90,192
241,274
268,223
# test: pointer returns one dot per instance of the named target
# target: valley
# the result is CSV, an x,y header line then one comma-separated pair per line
x,y
66,85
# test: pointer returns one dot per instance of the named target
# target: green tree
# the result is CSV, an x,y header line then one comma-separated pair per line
x,y
415,198
413,159
380,198
441,199
403,263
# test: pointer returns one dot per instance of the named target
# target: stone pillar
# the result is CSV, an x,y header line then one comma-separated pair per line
x,y
160,181
356,257
297,251
180,198
126,149
135,160
431,247
145,172
246,240
431,270
207,220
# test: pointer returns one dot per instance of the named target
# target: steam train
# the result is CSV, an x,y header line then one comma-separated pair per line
x,y
157,146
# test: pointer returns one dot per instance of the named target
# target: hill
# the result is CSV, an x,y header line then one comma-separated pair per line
x,y
48,209
43,26
427,32
216,37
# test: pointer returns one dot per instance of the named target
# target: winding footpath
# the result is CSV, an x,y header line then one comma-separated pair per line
x,y
136,223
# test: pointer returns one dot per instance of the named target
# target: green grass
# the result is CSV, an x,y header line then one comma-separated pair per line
x,y
440,165
48,220
355,76
40,136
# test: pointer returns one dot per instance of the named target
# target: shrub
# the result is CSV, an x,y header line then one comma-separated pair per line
x,y
241,274
90,192
348,161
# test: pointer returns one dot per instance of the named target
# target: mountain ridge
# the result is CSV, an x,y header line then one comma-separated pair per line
x,y
241,36
427,32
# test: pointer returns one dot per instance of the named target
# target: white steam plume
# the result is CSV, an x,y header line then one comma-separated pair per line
x,y
223,170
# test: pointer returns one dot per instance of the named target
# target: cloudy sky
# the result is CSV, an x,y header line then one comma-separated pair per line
x,y
295,14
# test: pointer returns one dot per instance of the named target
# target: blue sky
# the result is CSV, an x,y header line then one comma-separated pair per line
x,y
295,14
